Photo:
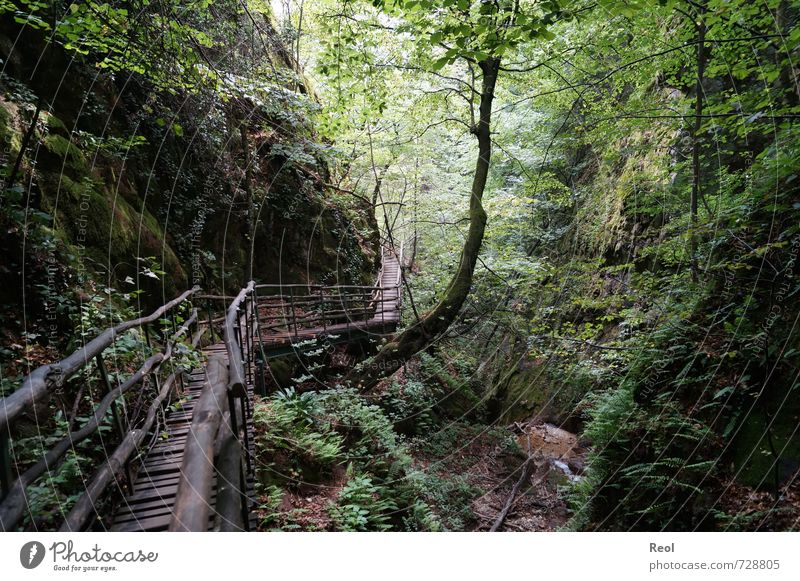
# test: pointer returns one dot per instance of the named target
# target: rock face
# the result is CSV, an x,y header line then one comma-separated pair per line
x,y
557,452
118,172
548,440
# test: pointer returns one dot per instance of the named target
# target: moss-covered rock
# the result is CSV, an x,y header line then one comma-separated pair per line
x,y
282,370
114,200
766,449
65,150
10,134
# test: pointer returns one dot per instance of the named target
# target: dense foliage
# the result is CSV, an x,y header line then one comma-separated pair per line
x,y
601,200
638,267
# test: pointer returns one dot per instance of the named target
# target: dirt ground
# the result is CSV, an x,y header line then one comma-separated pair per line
x,y
557,459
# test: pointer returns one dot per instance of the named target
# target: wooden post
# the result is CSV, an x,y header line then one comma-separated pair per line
x,y
243,341
146,328
237,337
118,422
246,437
262,390
5,463
248,341
260,384
294,314
322,307
343,298
210,321
248,322
121,425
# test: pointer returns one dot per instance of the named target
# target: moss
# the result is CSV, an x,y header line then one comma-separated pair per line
x,y
10,137
83,211
282,371
79,208
66,150
55,124
74,190
623,179
526,392
132,232
121,233
755,449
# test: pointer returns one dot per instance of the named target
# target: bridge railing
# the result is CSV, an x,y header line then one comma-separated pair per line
x,y
40,386
290,309
218,447
400,267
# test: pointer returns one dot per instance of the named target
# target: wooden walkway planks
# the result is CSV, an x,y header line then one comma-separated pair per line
x,y
150,506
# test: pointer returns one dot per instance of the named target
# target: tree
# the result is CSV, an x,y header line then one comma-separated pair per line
x,y
477,35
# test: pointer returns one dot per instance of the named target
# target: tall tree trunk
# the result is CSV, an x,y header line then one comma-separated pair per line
x,y
248,188
698,123
376,192
436,322
26,140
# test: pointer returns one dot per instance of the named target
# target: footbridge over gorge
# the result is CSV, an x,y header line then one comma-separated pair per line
x,y
176,434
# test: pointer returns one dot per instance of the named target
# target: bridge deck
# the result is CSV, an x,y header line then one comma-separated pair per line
x,y
386,318
150,507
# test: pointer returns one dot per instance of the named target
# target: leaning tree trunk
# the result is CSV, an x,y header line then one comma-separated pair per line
x,y
436,322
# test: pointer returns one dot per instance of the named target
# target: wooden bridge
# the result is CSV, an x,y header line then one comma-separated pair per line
x,y
183,461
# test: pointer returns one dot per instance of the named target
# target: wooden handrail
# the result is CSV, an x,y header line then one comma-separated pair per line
x,y
329,317
192,508
13,505
224,298
358,303
214,446
319,286
84,508
35,387
236,375
217,443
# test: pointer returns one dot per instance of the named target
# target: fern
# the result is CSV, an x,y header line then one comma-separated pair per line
x,y
361,506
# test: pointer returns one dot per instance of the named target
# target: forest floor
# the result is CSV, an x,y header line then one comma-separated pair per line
x,y
540,506
471,472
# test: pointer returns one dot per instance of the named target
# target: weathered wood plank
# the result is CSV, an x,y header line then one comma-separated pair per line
x,y
191,504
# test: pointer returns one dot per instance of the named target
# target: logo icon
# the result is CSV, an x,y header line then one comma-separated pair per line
x,y
31,554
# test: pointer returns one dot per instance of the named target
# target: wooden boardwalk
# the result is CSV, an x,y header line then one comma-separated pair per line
x,y
385,318
150,506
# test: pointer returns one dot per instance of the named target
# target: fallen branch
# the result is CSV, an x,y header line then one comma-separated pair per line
x,y
527,470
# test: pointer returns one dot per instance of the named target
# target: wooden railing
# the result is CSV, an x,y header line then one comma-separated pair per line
x,y
290,309
218,446
38,387
286,310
